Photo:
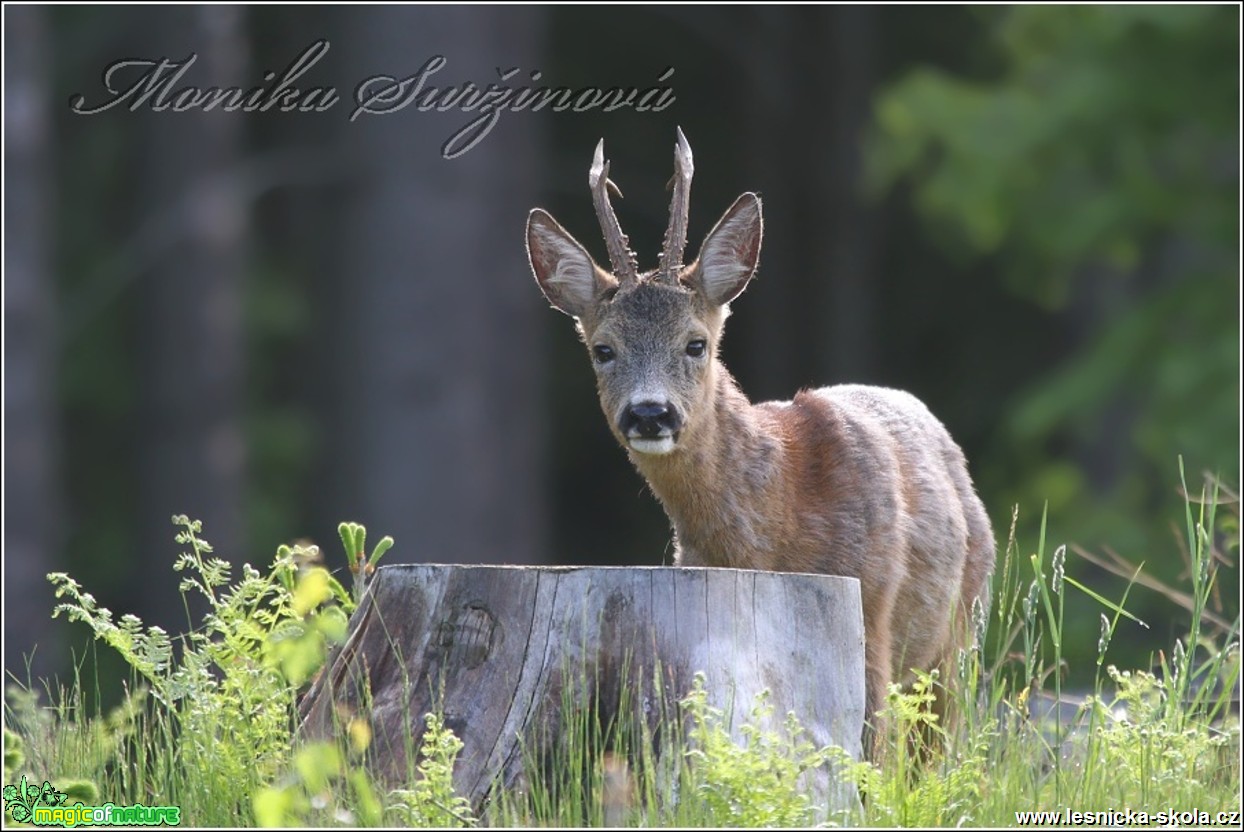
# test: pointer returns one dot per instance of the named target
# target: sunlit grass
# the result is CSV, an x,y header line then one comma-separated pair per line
x,y
209,723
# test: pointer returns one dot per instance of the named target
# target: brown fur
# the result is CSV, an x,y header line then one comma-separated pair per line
x,y
847,480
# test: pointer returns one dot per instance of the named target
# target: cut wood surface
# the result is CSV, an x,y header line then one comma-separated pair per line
x,y
496,649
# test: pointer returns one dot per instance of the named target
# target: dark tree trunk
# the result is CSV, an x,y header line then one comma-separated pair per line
x,y
436,432
32,502
191,457
810,317
772,366
844,252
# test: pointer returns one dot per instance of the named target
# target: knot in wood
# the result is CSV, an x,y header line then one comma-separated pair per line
x,y
468,637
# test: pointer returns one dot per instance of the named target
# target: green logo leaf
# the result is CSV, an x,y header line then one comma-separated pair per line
x,y
49,796
18,801
21,800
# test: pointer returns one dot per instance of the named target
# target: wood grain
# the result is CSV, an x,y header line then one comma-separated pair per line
x,y
497,648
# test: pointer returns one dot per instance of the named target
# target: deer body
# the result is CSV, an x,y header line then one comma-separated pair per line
x,y
847,480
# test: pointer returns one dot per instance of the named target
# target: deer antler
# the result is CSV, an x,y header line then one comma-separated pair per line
x,y
676,234
620,255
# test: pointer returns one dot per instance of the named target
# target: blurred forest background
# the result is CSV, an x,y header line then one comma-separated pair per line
x,y
1027,216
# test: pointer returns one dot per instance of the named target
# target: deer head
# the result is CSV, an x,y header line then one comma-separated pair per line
x,y
653,337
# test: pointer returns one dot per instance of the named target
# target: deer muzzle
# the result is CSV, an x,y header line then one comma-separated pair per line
x,y
650,427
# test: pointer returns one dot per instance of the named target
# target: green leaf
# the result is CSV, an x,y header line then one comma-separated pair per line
x,y
346,532
385,544
312,590
1106,602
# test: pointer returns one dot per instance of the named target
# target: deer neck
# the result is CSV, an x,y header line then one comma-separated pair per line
x,y
716,484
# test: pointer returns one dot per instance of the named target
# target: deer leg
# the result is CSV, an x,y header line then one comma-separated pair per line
x,y
878,669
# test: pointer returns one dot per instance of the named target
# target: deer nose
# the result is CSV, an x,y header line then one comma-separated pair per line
x,y
649,420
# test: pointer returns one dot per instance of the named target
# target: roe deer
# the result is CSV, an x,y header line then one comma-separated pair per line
x,y
846,480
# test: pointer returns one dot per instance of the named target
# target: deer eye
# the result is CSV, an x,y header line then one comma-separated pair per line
x,y
696,348
602,354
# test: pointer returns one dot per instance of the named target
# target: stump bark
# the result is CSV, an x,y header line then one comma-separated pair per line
x,y
500,651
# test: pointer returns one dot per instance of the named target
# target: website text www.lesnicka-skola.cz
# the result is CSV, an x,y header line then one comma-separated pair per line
x,y
1129,817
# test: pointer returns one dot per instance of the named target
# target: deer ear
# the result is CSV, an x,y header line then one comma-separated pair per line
x,y
730,252
566,273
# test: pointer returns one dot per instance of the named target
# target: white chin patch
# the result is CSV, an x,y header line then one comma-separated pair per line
x,y
656,447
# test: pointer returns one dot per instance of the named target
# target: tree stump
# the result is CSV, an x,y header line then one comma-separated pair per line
x,y
496,649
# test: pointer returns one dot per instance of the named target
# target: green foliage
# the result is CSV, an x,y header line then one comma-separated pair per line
x,y
432,801
218,735
354,539
13,754
1153,741
227,697
1098,171
322,788
901,791
228,691
1146,745
64,745
690,772
328,785
1108,124
753,784
1142,739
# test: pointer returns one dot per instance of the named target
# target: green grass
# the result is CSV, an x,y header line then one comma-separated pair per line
x,y
208,722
